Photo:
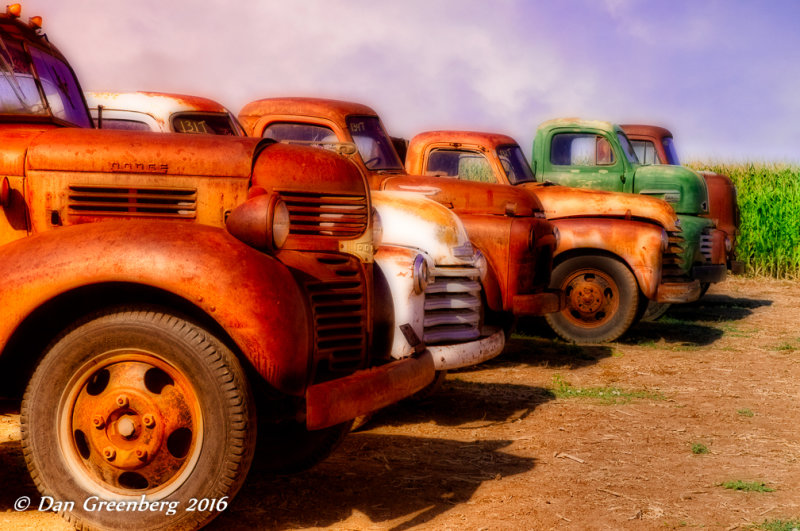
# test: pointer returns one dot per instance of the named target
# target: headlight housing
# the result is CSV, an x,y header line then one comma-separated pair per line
x,y
421,274
280,224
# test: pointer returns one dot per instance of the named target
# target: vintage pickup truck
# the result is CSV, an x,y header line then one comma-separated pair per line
x,y
143,328
655,145
598,155
508,226
610,257
425,255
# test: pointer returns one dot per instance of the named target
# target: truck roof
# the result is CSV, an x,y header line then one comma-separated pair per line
x,y
645,130
334,110
474,137
150,102
577,122
13,25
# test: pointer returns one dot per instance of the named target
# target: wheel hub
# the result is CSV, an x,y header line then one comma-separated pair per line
x,y
592,298
134,423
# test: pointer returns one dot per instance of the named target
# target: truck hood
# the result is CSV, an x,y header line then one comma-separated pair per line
x,y
410,220
682,188
108,151
467,197
561,202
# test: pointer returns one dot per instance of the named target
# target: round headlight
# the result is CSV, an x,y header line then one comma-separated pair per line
x,y
377,230
421,274
280,224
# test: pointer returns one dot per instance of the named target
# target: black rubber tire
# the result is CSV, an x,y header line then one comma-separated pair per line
x,y
614,291
655,311
288,447
704,288
102,361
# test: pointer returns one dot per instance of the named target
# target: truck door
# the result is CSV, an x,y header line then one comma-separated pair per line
x,y
584,160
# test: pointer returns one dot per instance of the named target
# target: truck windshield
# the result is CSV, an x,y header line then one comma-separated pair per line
x,y
18,91
669,149
374,146
630,154
60,94
514,164
61,89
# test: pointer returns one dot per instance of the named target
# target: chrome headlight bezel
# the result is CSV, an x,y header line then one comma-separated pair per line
x,y
420,274
377,229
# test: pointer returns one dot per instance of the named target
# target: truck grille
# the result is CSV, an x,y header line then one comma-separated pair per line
x,y
132,202
452,305
706,245
672,262
338,216
339,309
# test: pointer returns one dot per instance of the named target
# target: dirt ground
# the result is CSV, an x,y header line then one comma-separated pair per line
x,y
500,447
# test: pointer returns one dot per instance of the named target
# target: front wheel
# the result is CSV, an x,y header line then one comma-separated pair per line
x,y
142,407
602,299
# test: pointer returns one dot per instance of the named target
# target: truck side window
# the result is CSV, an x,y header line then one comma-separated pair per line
x,y
125,125
646,152
467,165
580,149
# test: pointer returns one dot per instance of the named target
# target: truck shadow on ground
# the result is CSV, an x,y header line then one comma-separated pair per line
x,y
460,403
14,476
391,480
717,308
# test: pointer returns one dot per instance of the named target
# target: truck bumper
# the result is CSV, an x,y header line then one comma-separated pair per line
x,y
736,267
678,292
548,301
710,273
365,391
465,354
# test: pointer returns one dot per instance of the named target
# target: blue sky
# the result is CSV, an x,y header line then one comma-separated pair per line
x,y
724,76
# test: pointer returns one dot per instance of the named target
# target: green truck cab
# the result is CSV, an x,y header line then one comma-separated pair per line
x,y
598,155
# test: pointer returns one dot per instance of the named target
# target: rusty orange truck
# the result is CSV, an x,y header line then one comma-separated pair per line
x,y
656,145
611,256
506,225
142,328
424,254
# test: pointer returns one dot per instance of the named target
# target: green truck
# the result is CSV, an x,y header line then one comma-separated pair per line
x,y
598,155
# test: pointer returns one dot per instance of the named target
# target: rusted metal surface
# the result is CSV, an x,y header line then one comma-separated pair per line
x,y
203,265
366,391
487,210
678,292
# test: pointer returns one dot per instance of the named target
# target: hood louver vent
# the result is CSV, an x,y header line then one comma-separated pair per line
x,y
178,203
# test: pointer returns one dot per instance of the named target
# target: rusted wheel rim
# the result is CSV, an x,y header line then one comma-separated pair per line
x,y
130,425
592,297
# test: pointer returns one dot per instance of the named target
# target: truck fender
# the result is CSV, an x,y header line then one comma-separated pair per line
x,y
636,243
251,296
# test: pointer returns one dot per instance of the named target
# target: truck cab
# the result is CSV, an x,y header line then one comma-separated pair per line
x,y
656,145
154,284
598,155
424,255
507,226
614,248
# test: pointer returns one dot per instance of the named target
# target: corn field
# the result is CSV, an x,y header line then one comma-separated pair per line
x,y
769,200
